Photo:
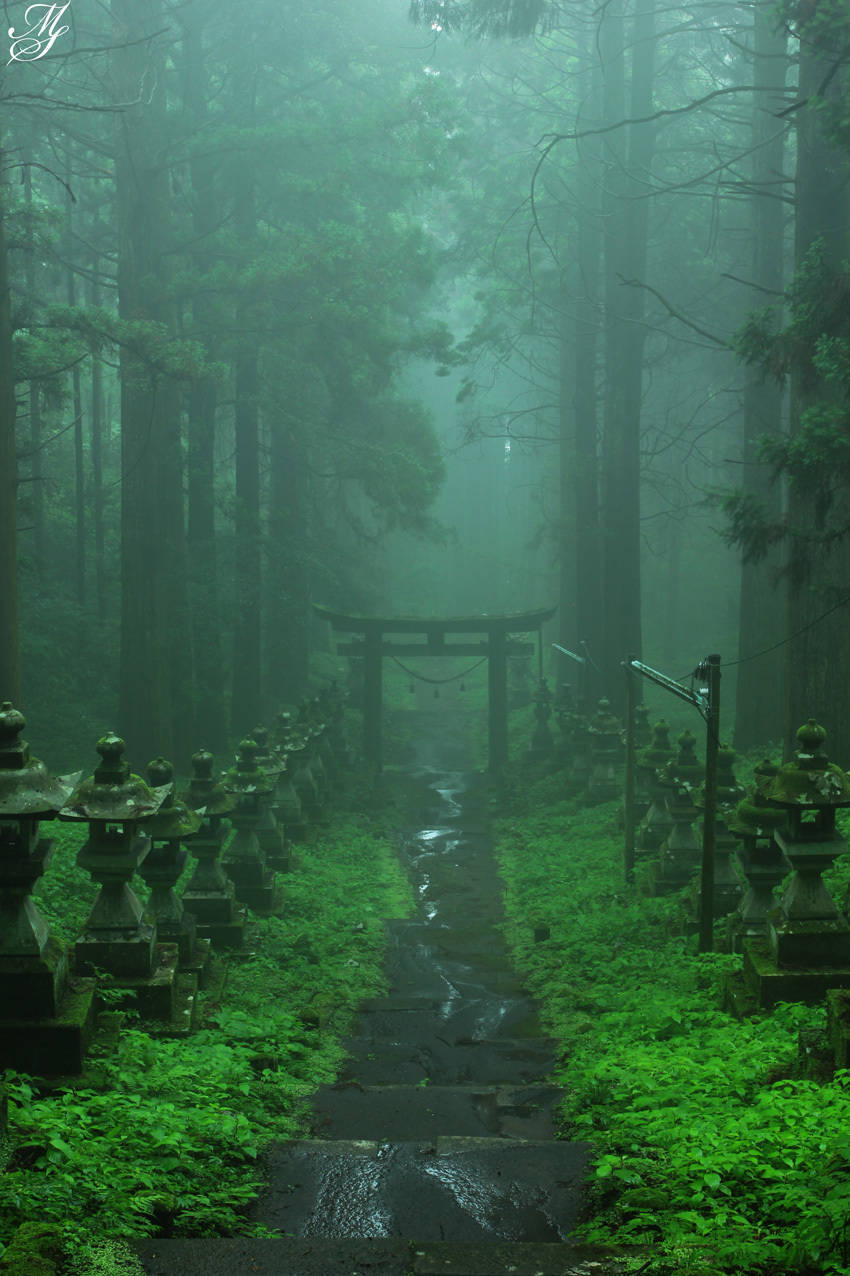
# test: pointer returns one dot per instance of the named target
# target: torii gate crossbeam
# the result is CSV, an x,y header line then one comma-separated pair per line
x,y
496,645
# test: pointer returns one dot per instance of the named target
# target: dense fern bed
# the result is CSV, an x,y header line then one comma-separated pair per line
x,y
709,1142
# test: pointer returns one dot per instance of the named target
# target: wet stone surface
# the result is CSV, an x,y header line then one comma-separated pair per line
x,y
440,1127
434,1152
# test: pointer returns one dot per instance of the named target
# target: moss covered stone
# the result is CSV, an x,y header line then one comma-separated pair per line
x,y
34,1250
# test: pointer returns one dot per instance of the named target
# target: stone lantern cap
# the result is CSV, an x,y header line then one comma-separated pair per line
x,y
205,792
684,771
247,777
753,817
288,733
764,774
604,722
810,780
272,763
660,750
174,820
26,786
729,791
113,792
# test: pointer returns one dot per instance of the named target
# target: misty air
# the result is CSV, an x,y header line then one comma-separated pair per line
x,y
424,656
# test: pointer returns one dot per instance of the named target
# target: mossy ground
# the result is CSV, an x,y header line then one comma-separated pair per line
x,y
166,1137
709,1142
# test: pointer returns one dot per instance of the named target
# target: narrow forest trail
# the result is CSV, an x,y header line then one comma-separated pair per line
x,y
435,1151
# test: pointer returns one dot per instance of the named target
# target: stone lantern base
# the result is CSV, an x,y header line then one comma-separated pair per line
x,y
32,984
55,1045
138,966
771,983
219,918
122,953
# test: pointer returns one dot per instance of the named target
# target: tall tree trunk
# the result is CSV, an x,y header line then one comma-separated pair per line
x,y
819,656
247,680
35,441
211,723
77,395
287,646
96,453
625,262
760,702
581,612
10,665
155,682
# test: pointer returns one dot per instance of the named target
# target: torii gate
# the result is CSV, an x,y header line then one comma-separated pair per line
x,y
496,647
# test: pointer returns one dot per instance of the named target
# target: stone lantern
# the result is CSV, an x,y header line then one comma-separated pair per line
x,y
642,727
333,709
760,858
657,822
807,948
210,894
270,832
118,938
542,743
681,850
286,795
45,1022
245,860
604,782
564,708
294,744
318,716
641,740
310,730
162,867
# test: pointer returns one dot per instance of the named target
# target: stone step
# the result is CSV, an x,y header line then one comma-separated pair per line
x,y
419,1020
486,1062
313,1257
405,1112
449,1188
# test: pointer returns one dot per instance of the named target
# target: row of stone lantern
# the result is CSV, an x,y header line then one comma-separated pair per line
x,y
783,829
139,826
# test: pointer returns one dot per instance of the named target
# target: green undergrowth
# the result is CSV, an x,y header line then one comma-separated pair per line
x,y
709,1144
166,1136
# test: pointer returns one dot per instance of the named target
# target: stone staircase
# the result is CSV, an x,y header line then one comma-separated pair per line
x,y
435,1151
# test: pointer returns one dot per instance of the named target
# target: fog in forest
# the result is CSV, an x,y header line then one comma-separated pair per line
x,y
488,306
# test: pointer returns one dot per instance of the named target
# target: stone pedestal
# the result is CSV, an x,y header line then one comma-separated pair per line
x,y
657,822
244,860
270,831
542,745
163,866
56,1045
771,984
45,1017
807,937
210,895
763,866
681,851
604,783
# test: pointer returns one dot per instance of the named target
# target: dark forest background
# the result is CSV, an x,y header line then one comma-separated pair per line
x,y
514,304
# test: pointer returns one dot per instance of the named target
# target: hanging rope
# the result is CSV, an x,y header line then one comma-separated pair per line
x,y
455,677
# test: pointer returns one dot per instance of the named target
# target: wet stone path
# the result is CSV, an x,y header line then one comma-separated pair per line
x,y
435,1150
